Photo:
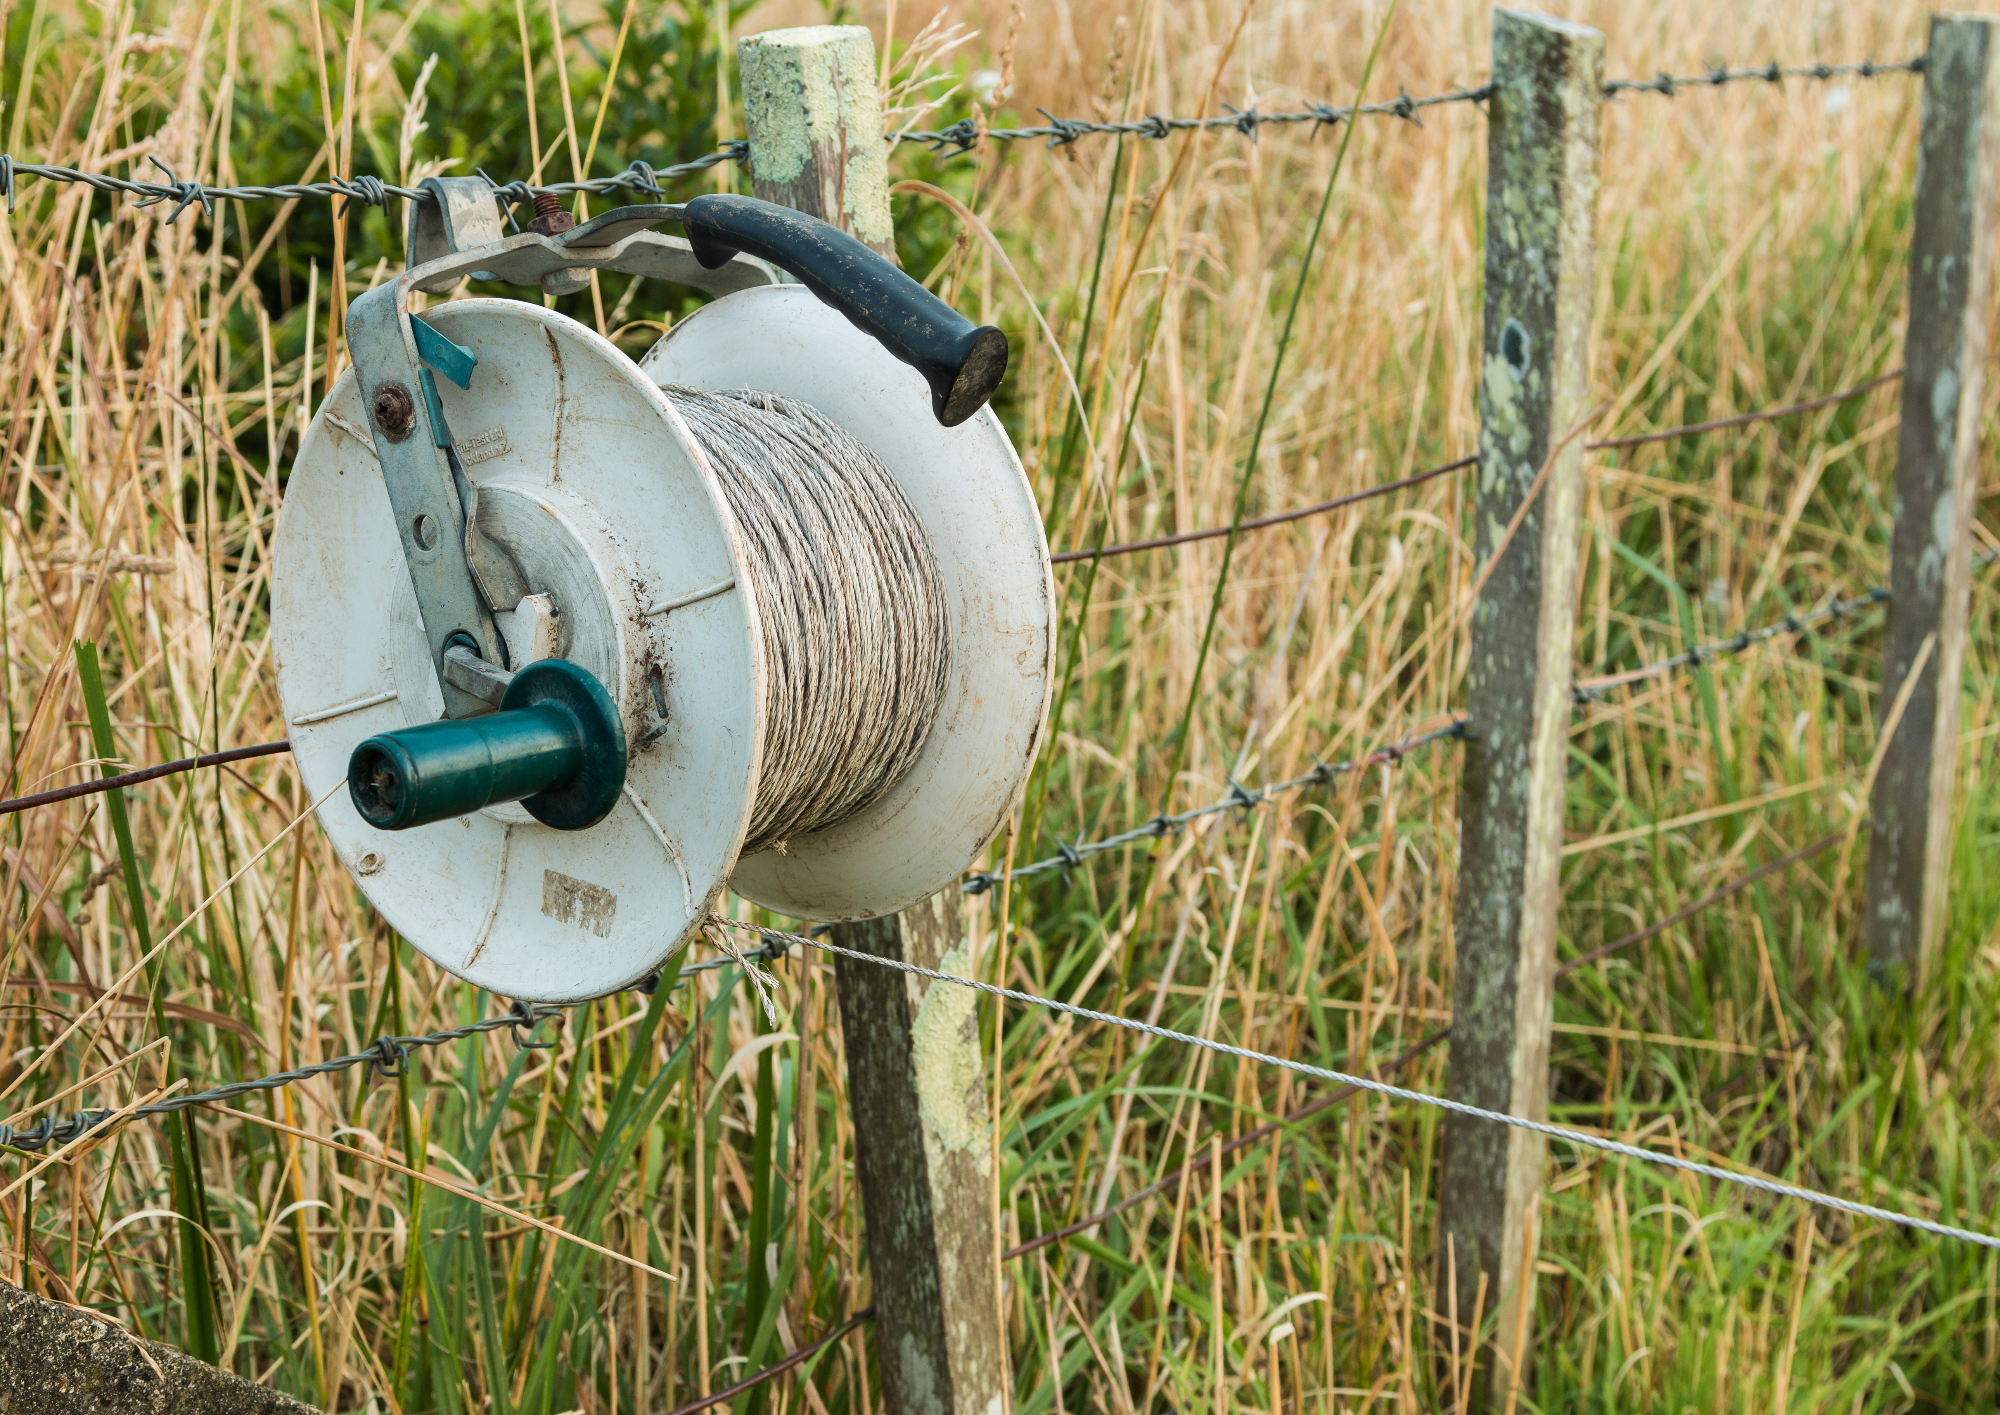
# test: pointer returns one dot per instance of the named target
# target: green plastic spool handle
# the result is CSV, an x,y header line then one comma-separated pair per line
x,y
556,746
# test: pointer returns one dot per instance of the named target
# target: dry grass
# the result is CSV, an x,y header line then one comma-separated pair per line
x,y
1752,251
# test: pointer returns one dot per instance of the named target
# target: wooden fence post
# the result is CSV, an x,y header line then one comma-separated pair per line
x,y
1541,224
1937,454
914,1071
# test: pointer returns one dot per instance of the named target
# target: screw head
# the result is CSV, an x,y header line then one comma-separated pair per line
x,y
395,411
553,224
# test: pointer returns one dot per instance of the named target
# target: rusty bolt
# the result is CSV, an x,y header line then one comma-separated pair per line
x,y
395,411
550,218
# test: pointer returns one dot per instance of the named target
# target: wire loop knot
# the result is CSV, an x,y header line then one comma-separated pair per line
x,y
183,195
1247,120
369,191
1063,131
524,1017
388,1057
961,137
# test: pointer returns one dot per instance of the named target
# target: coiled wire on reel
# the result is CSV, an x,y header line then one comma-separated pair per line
x,y
850,600
822,620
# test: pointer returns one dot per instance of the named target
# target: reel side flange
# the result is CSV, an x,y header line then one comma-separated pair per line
x,y
967,486
585,454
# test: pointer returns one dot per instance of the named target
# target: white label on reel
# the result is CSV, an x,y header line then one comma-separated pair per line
x,y
482,446
574,901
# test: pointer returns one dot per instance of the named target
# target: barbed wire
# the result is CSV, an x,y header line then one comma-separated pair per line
x,y
1756,1182
1592,690
1238,799
960,137
637,177
388,1056
1715,77
965,134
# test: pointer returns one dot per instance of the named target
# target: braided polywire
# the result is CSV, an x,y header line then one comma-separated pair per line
x,y
1774,1187
857,643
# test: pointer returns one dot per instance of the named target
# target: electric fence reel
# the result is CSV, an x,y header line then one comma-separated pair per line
x,y
514,607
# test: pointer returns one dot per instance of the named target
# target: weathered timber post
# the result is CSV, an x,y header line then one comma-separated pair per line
x,y
815,124
1937,453
58,1360
1541,227
913,1057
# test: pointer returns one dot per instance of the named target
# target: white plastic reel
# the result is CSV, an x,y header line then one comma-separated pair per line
x,y
591,481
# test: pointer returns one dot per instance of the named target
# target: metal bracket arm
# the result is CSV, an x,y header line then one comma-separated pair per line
x,y
459,580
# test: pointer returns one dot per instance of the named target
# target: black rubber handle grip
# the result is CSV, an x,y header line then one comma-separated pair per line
x,y
962,362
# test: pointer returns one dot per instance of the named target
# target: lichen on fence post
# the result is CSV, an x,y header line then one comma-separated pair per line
x,y
1541,225
1937,454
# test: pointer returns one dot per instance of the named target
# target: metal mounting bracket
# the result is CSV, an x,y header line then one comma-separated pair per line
x,y
462,216
460,580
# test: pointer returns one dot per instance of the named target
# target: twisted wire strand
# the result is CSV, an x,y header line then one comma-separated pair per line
x,y
965,135
1837,609
962,136
1773,1187
369,191
857,640
1204,1158
387,1055
1416,1050
1238,799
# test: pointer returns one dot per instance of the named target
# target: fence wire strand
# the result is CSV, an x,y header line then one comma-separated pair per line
x,y
1759,1183
1665,434
1239,799
386,1055
960,137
